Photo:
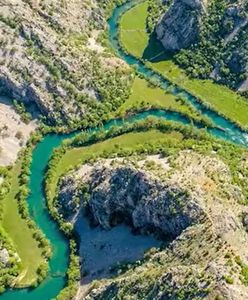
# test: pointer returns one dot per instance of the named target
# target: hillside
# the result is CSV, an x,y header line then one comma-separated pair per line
x,y
50,55
123,150
210,38
190,199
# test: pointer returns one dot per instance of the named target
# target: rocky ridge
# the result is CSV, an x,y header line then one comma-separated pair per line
x,y
191,199
47,57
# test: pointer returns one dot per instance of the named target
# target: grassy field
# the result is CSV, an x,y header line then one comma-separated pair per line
x,y
143,95
137,42
74,157
21,236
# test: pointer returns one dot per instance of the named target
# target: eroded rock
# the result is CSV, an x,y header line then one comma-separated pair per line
x,y
180,26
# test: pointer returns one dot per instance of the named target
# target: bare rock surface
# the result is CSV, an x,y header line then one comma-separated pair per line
x,y
191,199
4,256
180,25
14,133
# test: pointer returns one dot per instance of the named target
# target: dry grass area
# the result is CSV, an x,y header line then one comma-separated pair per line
x,y
14,133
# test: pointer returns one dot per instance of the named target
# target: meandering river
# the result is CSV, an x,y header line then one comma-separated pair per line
x,y
56,280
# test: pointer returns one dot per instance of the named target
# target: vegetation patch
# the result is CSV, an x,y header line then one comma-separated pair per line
x,y
148,95
30,244
137,41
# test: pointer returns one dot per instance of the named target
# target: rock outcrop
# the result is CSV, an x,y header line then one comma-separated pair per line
x,y
210,39
46,57
190,198
145,203
180,26
4,256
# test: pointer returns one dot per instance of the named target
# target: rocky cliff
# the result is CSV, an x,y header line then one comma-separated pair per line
x,y
180,26
145,203
50,55
189,198
211,37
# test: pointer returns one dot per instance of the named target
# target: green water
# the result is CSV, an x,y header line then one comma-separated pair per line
x,y
56,280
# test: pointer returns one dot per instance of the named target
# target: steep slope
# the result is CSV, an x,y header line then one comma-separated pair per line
x,y
50,56
188,199
215,33
179,28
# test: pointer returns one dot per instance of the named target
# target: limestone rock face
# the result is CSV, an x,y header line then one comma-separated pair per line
x,y
49,55
179,27
145,202
68,190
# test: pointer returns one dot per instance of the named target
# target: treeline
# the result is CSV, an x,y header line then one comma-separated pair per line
x,y
73,275
156,8
4,186
10,270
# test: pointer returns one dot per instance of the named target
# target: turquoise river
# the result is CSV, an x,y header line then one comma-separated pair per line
x,y
58,263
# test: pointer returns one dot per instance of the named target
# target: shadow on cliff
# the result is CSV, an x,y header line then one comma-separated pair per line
x,y
154,51
7,97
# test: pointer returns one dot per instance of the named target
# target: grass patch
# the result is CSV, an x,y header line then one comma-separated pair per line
x,y
137,42
20,234
76,156
145,95
133,29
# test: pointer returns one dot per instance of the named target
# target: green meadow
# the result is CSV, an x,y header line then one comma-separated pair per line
x,y
76,156
145,95
21,235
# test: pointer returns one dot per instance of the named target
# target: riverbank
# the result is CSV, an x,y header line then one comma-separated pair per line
x,y
136,41
59,262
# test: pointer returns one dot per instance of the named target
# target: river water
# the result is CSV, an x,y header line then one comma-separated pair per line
x,y
56,280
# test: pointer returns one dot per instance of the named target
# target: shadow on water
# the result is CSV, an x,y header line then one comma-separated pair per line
x,y
154,51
